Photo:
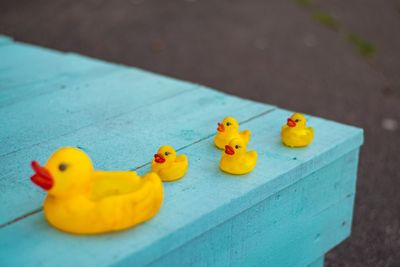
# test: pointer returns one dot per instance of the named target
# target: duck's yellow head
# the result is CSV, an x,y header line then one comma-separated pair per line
x,y
297,120
165,154
229,124
66,172
236,147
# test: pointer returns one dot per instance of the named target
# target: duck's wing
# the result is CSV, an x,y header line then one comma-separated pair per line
x,y
176,169
126,210
114,183
299,133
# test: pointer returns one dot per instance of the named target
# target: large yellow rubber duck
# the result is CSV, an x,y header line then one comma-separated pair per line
x,y
236,160
168,165
295,133
81,200
228,129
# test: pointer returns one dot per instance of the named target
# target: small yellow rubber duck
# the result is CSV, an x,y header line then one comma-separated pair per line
x,y
81,200
228,129
236,160
168,165
295,133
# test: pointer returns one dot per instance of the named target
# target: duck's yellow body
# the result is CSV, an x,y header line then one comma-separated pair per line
x,y
236,159
227,130
81,200
168,165
295,133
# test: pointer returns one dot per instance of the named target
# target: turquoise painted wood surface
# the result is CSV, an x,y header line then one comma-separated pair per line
x,y
294,207
256,238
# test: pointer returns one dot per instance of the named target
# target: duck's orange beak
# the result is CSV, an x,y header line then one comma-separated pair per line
x,y
229,150
221,127
291,123
159,158
42,176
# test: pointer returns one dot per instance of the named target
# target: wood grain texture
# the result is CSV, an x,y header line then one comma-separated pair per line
x,y
120,116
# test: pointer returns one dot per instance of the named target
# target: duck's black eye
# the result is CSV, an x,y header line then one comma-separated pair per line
x,y
62,167
228,124
167,153
237,146
297,120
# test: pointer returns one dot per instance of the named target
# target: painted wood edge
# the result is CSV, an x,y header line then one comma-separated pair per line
x,y
234,207
327,219
38,47
339,188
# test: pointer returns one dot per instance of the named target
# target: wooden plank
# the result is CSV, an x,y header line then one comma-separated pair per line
x,y
290,244
275,219
36,120
22,64
50,72
122,142
67,72
252,232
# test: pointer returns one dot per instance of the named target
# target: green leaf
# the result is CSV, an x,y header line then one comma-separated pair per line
x,y
325,19
366,48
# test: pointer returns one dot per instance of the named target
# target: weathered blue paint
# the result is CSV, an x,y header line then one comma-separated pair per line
x,y
295,206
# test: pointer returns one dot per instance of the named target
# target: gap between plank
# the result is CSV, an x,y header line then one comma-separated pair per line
x,y
141,166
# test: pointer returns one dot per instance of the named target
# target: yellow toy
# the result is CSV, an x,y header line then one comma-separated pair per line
x,y
295,133
228,129
236,159
81,200
168,165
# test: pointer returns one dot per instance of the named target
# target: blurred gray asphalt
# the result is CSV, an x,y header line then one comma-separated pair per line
x,y
272,51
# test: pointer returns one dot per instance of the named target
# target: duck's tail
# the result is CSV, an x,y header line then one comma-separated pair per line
x,y
138,206
246,135
311,131
181,158
152,203
253,154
